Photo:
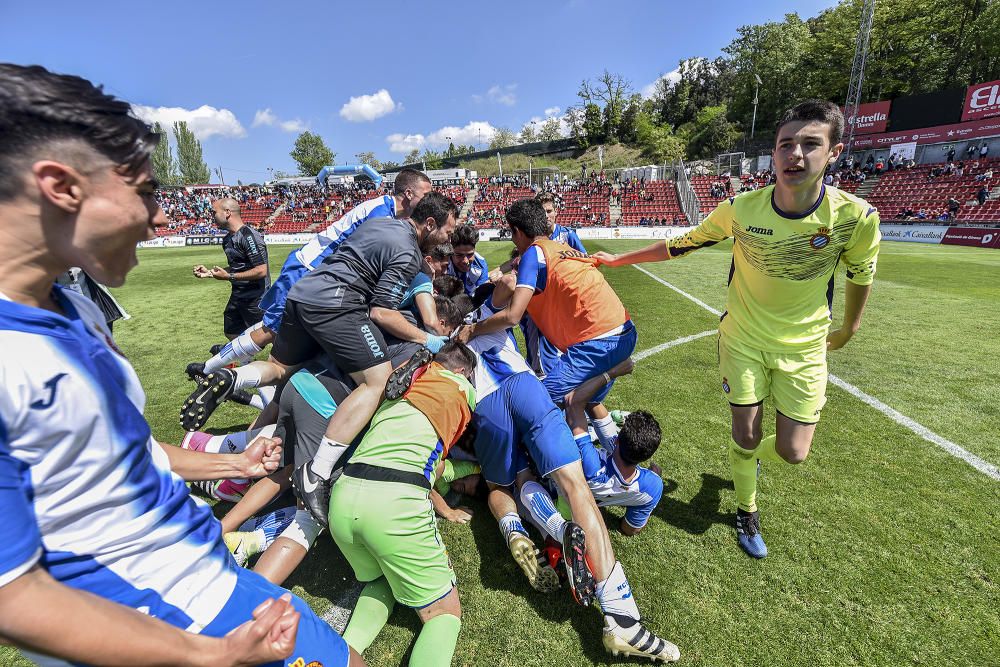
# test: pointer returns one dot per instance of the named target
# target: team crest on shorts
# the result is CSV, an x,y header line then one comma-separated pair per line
x,y
820,239
725,385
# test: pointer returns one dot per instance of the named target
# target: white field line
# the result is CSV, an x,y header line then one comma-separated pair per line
x,y
673,343
979,464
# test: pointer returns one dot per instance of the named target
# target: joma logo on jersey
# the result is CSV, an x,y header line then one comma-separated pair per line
x,y
372,343
567,254
51,384
761,230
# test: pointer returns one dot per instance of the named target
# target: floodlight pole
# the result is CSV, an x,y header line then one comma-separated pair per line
x,y
858,72
756,99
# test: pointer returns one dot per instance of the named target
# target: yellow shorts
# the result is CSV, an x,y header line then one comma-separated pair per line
x,y
796,380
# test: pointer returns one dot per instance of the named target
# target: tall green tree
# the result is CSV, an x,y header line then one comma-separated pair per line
x,y
657,141
527,134
710,133
311,154
412,157
164,164
503,138
190,163
551,130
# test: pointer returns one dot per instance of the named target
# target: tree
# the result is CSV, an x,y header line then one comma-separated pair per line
x,y
190,162
412,157
389,165
503,137
710,133
369,158
551,130
164,164
311,154
593,126
527,135
609,92
657,141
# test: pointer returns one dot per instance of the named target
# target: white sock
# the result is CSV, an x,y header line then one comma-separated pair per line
x,y
239,350
542,510
303,529
511,523
607,431
327,455
247,376
257,402
614,594
267,394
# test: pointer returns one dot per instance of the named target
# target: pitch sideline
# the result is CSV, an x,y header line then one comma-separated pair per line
x,y
930,436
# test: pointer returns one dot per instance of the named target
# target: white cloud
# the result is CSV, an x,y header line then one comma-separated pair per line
x,y
204,122
672,77
552,111
505,95
404,143
267,118
473,133
369,107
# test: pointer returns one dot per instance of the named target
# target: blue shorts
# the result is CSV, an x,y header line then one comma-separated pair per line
x,y
272,302
589,359
316,641
516,422
540,353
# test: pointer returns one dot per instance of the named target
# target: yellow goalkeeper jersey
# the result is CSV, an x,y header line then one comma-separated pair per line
x,y
781,278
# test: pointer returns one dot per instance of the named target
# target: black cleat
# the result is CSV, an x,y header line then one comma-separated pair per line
x,y
195,371
401,378
213,389
215,349
242,397
314,492
581,579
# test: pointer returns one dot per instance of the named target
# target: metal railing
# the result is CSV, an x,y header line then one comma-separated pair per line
x,y
689,202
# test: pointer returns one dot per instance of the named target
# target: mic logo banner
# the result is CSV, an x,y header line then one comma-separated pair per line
x,y
982,101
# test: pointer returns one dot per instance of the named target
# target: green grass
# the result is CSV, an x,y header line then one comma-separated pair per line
x,y
884,549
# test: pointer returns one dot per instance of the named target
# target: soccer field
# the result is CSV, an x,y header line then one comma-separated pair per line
x,y
884,546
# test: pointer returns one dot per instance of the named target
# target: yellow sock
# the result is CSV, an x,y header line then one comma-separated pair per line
x,y
744,466
766,452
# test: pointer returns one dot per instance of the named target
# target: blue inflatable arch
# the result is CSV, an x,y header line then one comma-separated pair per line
x,y
347,170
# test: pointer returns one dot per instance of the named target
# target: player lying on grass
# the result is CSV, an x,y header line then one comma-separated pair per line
x,y
788,240
110,560
380,511
409,188
516,420
614,476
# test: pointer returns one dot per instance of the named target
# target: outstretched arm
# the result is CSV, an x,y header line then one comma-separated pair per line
x,y
262,457
40,614
855,298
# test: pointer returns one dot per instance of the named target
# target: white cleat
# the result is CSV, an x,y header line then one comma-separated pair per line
x,y
541,577
639,641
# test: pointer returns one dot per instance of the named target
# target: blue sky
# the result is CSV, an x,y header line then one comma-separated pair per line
x,y
250,76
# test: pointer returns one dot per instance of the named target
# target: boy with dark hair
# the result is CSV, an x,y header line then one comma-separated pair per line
x,y
466,264
117,563
447,286
789,239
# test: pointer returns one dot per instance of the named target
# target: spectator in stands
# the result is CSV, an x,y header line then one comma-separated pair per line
x,y
982,195
907,213
869,163
951,153
985,176
953,206
971,151
921,215
944,216
984,151
960,168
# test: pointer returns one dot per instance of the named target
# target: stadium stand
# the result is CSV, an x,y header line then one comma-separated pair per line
x,y
650,203
925,190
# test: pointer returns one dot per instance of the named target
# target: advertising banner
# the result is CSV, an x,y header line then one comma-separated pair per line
x,y
203,240
982,101
913,233
870,119
293,239
931,135
907,151
972,236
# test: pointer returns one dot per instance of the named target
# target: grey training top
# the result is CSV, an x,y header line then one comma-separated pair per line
x,y
373,267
